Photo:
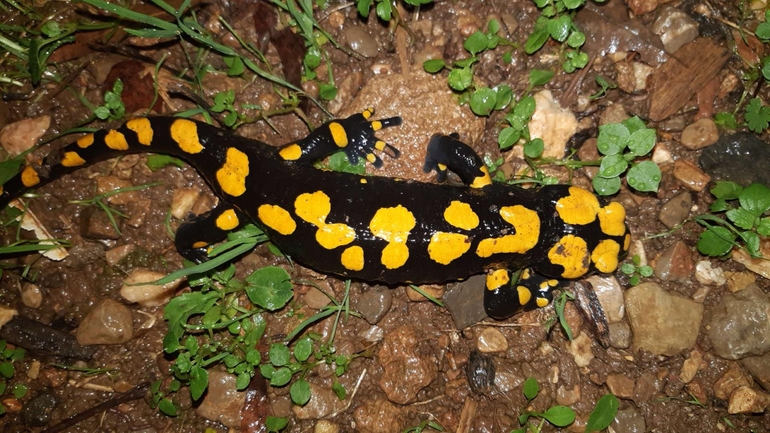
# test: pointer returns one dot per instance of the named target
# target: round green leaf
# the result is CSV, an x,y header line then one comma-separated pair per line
x,y
612,138
531,388
525,107
504,96
559,28
641,141
281,377
716,241
460,79
534,148
605,186
483,101
508,137
539,77
433,66
476,43
279,354
303,349
612,166
269,287
242,381
644,176
560,416
603,414
576,39
300,392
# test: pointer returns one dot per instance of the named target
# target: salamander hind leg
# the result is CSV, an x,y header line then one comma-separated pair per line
x,y
506,295
448,152
354,135
196,235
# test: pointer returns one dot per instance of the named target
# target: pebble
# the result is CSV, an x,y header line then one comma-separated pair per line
x,y
706,273
316,299
360,41
406,370
690,175
690,366
96,225
748,400
580,349
373,335
37,411
323,402
740,325
378,415
737,281
621,385
632,76
629,420
702,133
374,304
676,209
730,380
183,201
759,368
568,397
326,426
661,154
663,323
147,295
760,265
675,264
620,335
434,290
465,301
552,123
491,340
115,255
742,158
675,28
109,322
222,401
18,137
31,295
701,293
610,296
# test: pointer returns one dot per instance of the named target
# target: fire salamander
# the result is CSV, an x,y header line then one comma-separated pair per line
x,y
369,227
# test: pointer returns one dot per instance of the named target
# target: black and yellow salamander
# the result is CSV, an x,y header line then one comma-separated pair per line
x,y
369,227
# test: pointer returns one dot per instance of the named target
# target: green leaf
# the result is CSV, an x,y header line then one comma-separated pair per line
x,y
644,177
716,241
434,65
303,349
751,240
573,4
742,218
642,141
281,377
235,66
242,381
339,390
363,7
536,39
476,43
167,407
483,101
327,92
726,190
531,388
525,108
19,390
539,77
763,31
493,27
275,423
755,198
559,28
9,169
534,148
612,138
726,120
560,416
576,39
279,354
508,137
612,166
199,381
157,161
606,186
269,287
504,96
603,414
384,10
179,310
300,392
460,79
757,116
764,227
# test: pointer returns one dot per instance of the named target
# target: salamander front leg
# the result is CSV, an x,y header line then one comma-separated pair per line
x,y
504,297
448,152
195,236
354,135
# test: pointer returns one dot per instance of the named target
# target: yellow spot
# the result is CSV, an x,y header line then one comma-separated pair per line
x,y
379,145
527,225
371,158
542,302
291,152
497,278
72,159
605,256
627,242
199,244
442,167
445,247
85,141
524,295
228,220
143,129
572,253
29,177
579,207
612,219
525,274
353,258
115,140
232,176
461,215
314,208
393,225
185,133
553,283
363,180
376,125
331,236
367,113
544,285
339,135
277,218
483,180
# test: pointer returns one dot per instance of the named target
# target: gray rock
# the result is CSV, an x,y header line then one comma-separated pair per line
x,y
629,421
740,325
37,412
465,301
759,368
222,402
374,303
741,158
109,322
675,210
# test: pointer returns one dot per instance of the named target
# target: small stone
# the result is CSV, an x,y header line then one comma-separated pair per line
x,y
580,349
115,255
632,76
139,212
552,123
661,155
18,137
675,28
737,281
491,340
323,402
222,401
614,113
690,175
691,366
759,265
705,273
326,426
31,295
610,296
621,385
759,368
109,322
96,225
629,421
675,264
374,304
406,370
360,41
740,325
620,335
742,158
702,133
183,201
108,184
700,294
316,299
465,301
37,411
663,323
730,380
147,295
434,290
378,415
676,210
748,400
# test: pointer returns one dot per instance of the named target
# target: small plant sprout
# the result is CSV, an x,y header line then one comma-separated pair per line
x,y
635,270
